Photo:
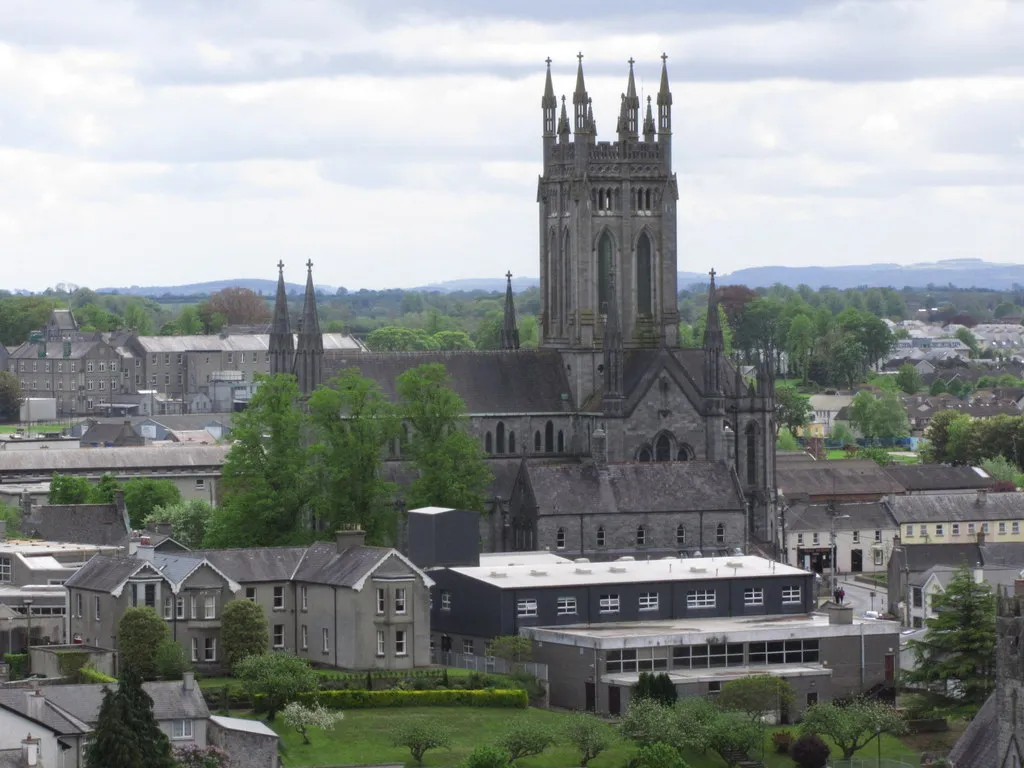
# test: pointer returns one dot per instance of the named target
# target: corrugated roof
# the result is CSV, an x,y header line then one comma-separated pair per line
x,y
112,459
938,477
248,342
942,507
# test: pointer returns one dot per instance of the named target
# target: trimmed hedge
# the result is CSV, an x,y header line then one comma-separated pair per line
x,y
90,675
355,699
17,664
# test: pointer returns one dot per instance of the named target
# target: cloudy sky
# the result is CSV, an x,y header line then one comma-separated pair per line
x,y
397,143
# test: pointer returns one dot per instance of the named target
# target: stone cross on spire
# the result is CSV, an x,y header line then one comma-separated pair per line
x,y
280,266
309,265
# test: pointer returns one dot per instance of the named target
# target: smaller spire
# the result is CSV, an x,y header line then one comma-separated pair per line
x,y
590,116
549,90
664,94
713,329
509,328
310,320
563,122
580,99
649,122
280,322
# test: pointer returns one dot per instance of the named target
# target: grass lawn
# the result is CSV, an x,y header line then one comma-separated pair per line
x,y
8,429
364,737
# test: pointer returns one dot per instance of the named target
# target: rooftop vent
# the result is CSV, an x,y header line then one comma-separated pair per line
x,y
733,564
584,571
538,572
695,569
617,569
582,560
498,574
626,559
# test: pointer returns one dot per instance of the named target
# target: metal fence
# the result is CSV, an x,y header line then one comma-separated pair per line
x,y
904,761
487,664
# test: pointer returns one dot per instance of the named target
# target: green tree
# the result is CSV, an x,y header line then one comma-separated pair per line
x,y
514,649
525,737
800,344
421,735
488,331
11,515
732,734
188,322
657,687
908,379
938,387
1003,309
588,735
171,661
452,469
395,339
1000,468
879,417
353,423
188,521
486,756
658,755
880,456
279,677
846,361
842,434
939,435
855,725
103,491
266,488
10,397
647,722
137,319
453,340
112,741
143,494
756,695
301,718
787,441
139,635
968,339
68,489
959,645
243,631
792,410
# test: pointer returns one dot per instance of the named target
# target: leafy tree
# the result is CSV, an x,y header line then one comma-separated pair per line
x,y
453,340
266,489
853,726
103,491
969,339
68,489
792,410
188,521
1003,309
452,470
756,695
488,330
908,379
395,339
732,734
846,361
787,441
938,387
354,423
137,319
420,736
588,735
239,306
842,434
648,721
938,435
515,649
999,468
880,456
171,661
800,344
959,646
10,397
243,631
879,417
486,756
112,741
658,755
143,494
11,515
20,315
809,751
140,633
280,677
525,737
658,687
301,718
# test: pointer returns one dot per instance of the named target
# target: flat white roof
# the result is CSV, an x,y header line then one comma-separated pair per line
x,y
505,559
644,634
29,547
570,573
431,510
43,563
241,724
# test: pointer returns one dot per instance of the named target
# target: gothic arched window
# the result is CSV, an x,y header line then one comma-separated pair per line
x,y
751,434
566,277
644,284
553,281
561,442
685,453
549,438
663,449
488,447
499,437
644,454
511,441
536,441
604,268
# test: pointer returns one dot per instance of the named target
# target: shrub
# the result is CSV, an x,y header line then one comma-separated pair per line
x,y
302,718
658,687
809,751
200,757
90,675
419,736
647,722
276,679
658,755
486,757
356,699
782,741
243,631
589,735
525,738
140,632
171,661
17,664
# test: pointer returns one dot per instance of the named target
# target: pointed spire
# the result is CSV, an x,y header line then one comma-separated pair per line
x,y
549,103
630,116
309,352
580,99
281,344
649,122
714,344
664,94
509,329
280,323
591,123
613,351
563,122
310,321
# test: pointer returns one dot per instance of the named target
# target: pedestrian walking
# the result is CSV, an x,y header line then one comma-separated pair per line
x,y
842,595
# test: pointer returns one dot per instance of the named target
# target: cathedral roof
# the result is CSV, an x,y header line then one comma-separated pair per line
x,y
499,382
675,486
977,746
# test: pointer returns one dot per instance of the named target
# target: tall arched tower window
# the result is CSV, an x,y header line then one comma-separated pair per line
x,y
499,437
604,268
549,438
751,434
663,449
644,284
553,278
566,277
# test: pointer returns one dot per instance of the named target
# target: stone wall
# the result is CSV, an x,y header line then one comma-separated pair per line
x,y
244,748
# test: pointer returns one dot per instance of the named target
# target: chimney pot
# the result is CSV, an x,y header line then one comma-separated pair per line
x,y
188,681
348,537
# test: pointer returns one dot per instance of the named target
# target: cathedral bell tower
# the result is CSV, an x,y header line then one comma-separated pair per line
x,y
607,207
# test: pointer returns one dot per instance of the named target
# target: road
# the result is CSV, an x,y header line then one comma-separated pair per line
x,y
859,596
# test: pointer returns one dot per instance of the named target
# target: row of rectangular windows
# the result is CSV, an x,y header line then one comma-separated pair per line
x,y
954,529
399,599
642,536
712,656
647,601
816,538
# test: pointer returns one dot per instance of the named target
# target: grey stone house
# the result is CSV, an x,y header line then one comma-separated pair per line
x,y
80,375
338,604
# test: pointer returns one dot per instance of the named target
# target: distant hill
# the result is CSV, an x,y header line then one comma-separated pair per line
x,y
266,287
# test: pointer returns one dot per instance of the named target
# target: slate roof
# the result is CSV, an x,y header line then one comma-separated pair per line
x,y
938,477
921,557
110,432
15,699
104,573
100,524
506,381
817,517
65,321
54,350
633,487
940,507
112,459
323,564
791,458
170,700
846,477
242,342
256,564
978,745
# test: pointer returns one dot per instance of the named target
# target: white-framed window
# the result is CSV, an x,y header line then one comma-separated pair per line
x,y
1002,528
380,642
753,596
468,647
250,594
600,539
326,637
210,607
1015,527
648,601
401,645
984,528
195,649
304,637
940,530
560,538
954,529
5,569
566,606
78,605
168,607
641,535
791,595
200,483
96,606
279,635
382,601
816,538
526,607
879,556
400,603
278,598
878,537
194,607
608,604
910,531
971,529
304,597
799,539
446,600
181,729
179,607
210,649
856,537
701,598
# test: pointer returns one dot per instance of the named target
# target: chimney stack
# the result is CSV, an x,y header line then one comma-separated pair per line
x,y
982,495
599,447
349,536
35,702
30,752
188,681
25,502
145,550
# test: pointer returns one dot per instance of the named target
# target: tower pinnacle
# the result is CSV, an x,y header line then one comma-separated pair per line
x,y
509,329
580,99
549,103
281,344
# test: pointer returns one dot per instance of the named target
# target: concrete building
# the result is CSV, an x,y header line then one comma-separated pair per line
x,y
339,604
865,533
593,666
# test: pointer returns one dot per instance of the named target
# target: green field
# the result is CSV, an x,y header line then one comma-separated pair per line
x,y
364,737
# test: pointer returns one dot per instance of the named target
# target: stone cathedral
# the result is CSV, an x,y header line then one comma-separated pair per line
x,y
609,439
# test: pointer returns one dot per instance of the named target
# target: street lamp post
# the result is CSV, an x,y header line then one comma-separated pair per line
x,y
27,602
832,539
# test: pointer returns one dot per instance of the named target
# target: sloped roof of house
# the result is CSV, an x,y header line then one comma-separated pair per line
x,y
255,564
113,459
942,507
846,517
104,573
978,745
171,701
100,524
938,477
847,477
